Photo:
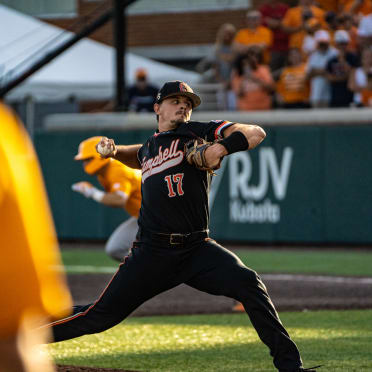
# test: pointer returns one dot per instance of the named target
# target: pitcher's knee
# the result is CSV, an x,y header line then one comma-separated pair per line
x,y
249,275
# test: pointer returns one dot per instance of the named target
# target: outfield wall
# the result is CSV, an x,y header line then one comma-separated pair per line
x,y
310,181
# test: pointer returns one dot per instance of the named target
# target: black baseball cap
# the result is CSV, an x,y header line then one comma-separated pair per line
x,y
177,88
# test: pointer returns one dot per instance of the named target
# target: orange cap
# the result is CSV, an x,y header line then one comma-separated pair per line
x,y
141,73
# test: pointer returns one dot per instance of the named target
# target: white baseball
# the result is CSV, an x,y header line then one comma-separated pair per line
x,y
104,150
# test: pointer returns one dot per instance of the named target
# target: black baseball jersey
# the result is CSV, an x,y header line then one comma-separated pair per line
x,y
167,178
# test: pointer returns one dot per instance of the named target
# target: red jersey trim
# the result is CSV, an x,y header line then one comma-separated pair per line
x,y
221,127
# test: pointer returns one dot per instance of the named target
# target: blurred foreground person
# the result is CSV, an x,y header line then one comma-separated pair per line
x,y
122,190
31,289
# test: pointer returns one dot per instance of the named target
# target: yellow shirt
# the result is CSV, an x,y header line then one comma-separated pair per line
x,y
121,179
29,283
292,85
293,18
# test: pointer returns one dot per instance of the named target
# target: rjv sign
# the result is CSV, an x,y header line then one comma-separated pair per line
x,y
250,203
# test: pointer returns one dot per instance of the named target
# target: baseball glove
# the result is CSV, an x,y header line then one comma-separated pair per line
x,y
195,154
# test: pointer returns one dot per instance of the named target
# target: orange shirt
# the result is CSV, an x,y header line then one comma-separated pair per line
x,y
353,33
121,179
365,8
292,85
293,18
29,282
367,97
250,95
328,5
260,36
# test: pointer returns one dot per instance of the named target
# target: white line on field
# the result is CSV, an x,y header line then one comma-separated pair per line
x,y
317,278
88,269
305,278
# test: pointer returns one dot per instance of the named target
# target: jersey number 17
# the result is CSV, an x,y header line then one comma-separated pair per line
x,y
174,184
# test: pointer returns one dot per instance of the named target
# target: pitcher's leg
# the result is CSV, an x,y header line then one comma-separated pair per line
x,y
93,318
127,290
224,274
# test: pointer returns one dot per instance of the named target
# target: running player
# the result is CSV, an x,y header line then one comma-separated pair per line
x,y
122,187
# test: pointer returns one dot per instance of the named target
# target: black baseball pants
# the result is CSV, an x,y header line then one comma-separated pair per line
x,y
154,267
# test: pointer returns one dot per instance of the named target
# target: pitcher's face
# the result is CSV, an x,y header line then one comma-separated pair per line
x,y
173,110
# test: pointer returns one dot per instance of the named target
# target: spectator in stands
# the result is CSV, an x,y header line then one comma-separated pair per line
x,y
224,59
320,90
309,43
295,20
252,82
331,23
254,35
217,66
327,5
292,86
356,7
367,91
365,31
360,80
224,55
141,95
272,13
345,22
339,69
221,62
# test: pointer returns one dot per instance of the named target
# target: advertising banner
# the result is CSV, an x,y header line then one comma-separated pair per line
x,y
303,184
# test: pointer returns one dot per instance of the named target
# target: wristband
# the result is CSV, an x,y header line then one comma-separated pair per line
x,y
235,142
97,195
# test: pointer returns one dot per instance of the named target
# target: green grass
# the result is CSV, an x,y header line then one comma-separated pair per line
x,y
327,262
87,257
227,343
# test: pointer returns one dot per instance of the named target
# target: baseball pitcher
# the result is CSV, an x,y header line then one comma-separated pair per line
x,y
173,244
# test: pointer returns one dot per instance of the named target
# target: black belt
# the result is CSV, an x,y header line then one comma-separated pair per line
x,y
174,238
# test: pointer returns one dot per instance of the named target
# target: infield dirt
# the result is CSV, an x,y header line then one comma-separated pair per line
x,y
288,292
